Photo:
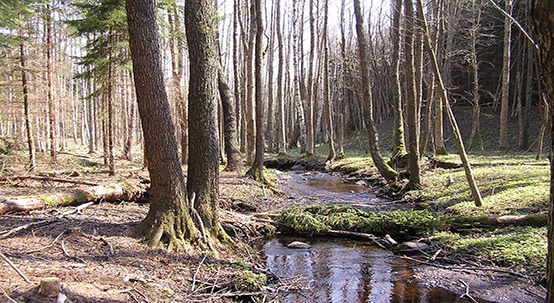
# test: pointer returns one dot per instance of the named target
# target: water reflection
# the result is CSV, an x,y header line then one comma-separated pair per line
x,y
341,271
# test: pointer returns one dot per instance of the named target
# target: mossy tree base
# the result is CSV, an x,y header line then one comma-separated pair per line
x,y
171,228
256,173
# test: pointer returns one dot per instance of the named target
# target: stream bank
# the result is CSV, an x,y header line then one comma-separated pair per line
x,y
308,187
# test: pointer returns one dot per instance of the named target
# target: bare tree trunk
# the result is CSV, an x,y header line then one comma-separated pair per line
x,y
110,122
411,98
256,171
476,114
280,98
250,101
399,145
384,169
25,88
504,109
297,86
310,136
51,102
326,87
440,148
127,150
465,162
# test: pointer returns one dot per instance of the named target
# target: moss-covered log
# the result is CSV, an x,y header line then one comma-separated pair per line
x,y
316,219
109,193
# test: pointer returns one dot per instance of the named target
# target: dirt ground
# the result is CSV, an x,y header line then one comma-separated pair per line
x,y
96,260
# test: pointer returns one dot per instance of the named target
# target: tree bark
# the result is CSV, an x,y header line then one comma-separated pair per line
x,y
282,148
203,167
234,158
25,88
250,101
168,218
384,169
326,87
399,145
504,107
411,98
51,102
543,19
256,171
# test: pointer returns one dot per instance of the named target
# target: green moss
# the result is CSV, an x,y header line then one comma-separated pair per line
x,y
250,281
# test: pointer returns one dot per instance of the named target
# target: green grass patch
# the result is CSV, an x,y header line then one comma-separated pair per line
x,y
521,248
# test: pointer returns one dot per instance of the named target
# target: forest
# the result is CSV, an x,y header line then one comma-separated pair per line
x,y
248,150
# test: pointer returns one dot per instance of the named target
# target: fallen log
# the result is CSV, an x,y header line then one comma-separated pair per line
x,y
437,163
45,178
110,193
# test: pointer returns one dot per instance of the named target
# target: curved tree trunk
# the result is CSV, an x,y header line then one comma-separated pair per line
x,y
234,158
168,218
384,169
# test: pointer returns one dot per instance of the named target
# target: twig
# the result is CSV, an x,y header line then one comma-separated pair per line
x,y
40,178
9,298
215,282
108,243
196,273
71,257
518,25
143,295
12,231
466,294
15,268
44,247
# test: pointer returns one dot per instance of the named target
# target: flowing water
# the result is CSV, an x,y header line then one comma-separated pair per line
x,y
340,270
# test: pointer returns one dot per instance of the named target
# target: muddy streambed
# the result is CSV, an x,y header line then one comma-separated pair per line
x,y
341,270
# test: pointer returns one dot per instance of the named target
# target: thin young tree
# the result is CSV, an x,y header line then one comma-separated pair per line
x,y
24,85
326,86
444,95
504,106
281,138
52,112
168,219
384,169
476,114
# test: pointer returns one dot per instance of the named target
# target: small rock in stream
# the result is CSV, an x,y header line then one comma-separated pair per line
x,y
299,245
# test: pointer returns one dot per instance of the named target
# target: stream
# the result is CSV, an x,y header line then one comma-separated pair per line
x,y
341,270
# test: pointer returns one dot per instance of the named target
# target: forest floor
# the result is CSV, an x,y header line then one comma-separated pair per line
x,y
96,260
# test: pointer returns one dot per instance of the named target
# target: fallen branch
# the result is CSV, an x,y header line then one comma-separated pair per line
x,y
48,179
509,272
466,294
451,165
15,268
12,231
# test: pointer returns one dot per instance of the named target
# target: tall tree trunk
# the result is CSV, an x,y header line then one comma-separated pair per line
x,y
524,138
52,125
25,88
399,145
280,98
203,167
543,19
460,144
310,136
326,87
250,102
297,85
476,114
504,108
168,219
110,97
127,150
384,169
256,171
270,129
440,148
411,98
